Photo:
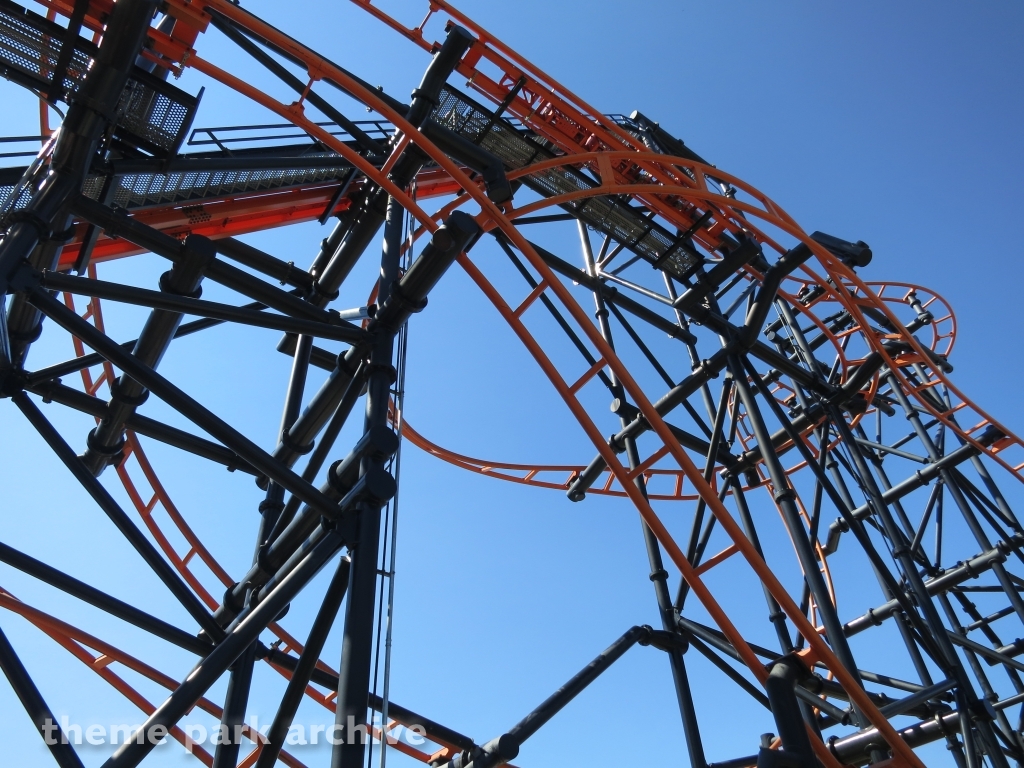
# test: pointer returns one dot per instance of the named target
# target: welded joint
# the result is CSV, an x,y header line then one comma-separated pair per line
x,y
376,445
184,277
401,304
663,640
376,486
919,479
784,675
45,232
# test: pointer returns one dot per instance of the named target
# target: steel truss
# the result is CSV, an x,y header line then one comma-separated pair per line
x,y
805,388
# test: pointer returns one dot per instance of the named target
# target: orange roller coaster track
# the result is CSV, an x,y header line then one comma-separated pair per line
x,y
809,392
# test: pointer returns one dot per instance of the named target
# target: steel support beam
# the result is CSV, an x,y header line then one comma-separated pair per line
x,y
500,750
117,516
32,700
357,639
303,670
239,638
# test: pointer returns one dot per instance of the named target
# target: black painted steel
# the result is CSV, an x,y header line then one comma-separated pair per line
x,y
454,237
500,750
118,224
360,609
239,638
103,601
741,339
117,515
178,399
345,485
431,729
32,700
780,685
790,391
233,715
303,670
53,391
36,233
89,360
106,441
658,575
335,329
352,241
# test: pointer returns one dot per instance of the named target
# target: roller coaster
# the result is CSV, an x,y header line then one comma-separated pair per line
x,y
760,391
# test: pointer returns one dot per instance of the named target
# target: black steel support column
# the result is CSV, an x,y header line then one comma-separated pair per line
x,y
901,550
89,114
233,715
408,296
840,497
741,339
237,697
781,689
947,657
775,613
357,641
106,441
120,224
54,738
316,460
366,221
51,391
329,326
505,747
346,487
784,498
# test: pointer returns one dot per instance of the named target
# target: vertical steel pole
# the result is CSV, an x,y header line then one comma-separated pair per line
x,y
784,498
235,701
89,115
240,682
357,642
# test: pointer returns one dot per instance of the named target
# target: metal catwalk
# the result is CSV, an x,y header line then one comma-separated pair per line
x,y
813,403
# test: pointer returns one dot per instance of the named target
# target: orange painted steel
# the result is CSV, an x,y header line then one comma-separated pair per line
x,y
495,215
696,584
824,654
699,172
841,285
671,187
944,336
236,215
216,218
77,641
549,108
537,474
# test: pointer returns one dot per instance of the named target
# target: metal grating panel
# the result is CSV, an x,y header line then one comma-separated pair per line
x,y
609,215
152,115
138,190
30,46
12,198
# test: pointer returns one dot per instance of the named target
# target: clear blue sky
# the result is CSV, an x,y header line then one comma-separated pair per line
x,y
896,124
